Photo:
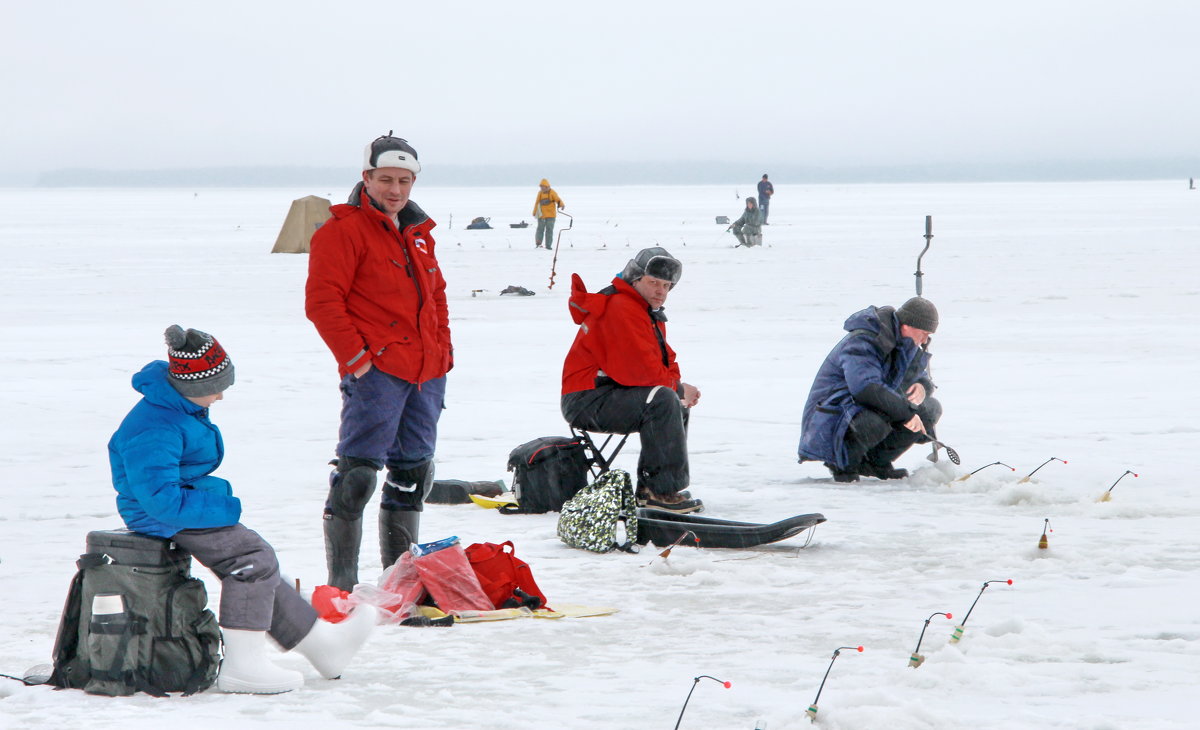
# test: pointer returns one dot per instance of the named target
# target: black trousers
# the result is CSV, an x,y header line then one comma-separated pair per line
x,y
658,417
871,438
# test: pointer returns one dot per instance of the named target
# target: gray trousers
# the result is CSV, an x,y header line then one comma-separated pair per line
x,y
746,238
546,227
254,597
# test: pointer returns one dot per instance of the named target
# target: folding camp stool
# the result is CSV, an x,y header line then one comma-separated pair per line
x,y
598,462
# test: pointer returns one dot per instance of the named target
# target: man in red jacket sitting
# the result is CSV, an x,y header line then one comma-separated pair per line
x,y
377,297
621,376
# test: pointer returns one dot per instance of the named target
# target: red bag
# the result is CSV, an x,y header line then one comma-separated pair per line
x,y
501,574
323,598
448,577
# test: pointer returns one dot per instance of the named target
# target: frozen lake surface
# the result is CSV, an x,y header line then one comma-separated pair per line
x,y
1069,314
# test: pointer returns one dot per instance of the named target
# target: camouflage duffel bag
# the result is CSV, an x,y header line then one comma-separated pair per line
x,y
602,516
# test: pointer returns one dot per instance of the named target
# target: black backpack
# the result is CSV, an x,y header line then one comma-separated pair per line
x,y
546,472
135,620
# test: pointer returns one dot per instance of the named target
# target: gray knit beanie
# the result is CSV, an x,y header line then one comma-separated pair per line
x,y
920,313
198,365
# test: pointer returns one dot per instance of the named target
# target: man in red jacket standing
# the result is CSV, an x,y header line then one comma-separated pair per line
x,y
620,375
377,297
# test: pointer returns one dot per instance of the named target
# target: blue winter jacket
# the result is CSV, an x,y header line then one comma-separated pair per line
x,y
162,459
871,367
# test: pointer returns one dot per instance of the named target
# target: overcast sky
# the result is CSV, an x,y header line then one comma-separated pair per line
x,y
151,85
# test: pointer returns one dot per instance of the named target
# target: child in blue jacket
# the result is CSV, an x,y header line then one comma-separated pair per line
x,y
163,457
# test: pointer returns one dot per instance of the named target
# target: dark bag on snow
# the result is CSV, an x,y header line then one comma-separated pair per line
x,y
603,516
546,473
135,620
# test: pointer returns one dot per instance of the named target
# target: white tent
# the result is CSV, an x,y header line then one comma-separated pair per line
x,y
303,219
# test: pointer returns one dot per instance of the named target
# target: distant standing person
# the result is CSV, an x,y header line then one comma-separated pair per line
x,y
545,209
748,228
765,191
377,297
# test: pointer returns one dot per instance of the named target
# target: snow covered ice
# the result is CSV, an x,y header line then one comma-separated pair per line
x,y
1069,313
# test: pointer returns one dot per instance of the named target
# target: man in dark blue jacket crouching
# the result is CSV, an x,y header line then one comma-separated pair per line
x,y
870,400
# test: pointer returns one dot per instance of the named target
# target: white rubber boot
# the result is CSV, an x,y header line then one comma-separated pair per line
x,y
247,669
330,647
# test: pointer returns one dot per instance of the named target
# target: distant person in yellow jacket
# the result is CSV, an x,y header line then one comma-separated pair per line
x,y
545,209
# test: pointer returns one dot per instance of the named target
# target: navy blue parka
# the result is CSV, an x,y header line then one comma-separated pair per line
x,y
871,367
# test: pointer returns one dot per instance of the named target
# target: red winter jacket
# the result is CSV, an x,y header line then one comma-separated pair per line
x,y
617,337
376,294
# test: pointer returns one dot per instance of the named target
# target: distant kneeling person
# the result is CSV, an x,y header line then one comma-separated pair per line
x,y
162,458
748,228
870,400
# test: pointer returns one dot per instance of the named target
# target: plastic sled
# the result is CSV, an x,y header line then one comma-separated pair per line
x,y
493,502
663,528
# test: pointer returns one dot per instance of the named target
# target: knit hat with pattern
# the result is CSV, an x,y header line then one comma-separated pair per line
x,y
198,365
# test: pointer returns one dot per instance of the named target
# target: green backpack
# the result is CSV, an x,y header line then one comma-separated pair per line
x,y
602,516
135,620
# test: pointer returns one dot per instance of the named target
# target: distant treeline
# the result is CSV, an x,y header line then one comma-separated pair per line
x,y
640,173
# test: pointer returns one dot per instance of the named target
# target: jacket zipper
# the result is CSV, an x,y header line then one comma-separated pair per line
x,y
408,269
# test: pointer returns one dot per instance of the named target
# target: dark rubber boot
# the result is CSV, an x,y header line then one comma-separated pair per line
x,y
342,540
881,471
398,530
878,461
404,494
842,476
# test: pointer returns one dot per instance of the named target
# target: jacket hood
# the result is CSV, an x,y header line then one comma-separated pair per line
x,y
879,320
151,381
545,182
359,200
582,303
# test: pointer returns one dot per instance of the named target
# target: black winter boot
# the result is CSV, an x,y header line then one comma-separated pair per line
x,y
404,494
398,530
881,471
841,476
350,487
342,540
